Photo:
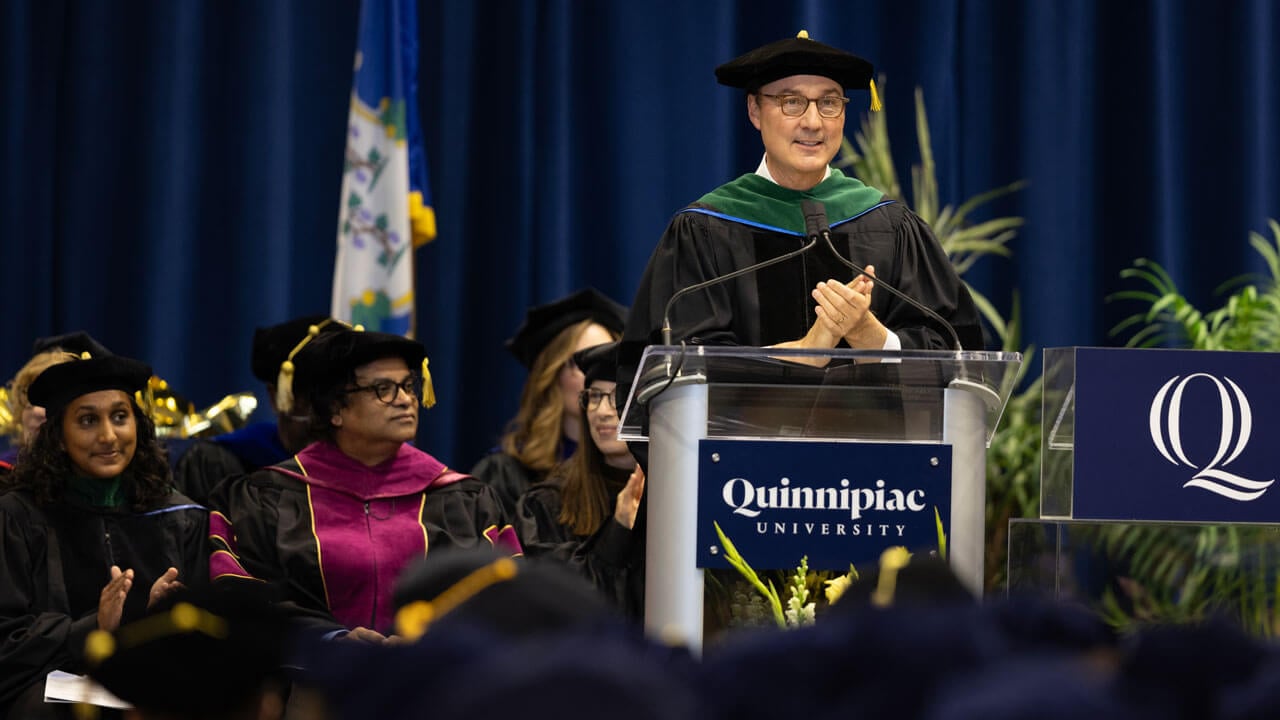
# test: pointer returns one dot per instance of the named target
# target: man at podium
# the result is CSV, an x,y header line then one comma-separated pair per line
x,y
795,96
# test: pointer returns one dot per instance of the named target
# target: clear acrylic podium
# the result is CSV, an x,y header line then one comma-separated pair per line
x,y
1156,489
684,394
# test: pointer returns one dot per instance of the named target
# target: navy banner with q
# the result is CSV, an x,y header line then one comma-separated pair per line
x,y
835,502
1176,435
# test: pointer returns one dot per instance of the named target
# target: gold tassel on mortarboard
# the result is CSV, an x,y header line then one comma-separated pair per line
x,y
284,387
284,380
876,105
428,390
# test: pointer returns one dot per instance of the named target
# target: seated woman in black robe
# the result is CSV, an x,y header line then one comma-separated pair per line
x,y
91,532
547,426
584,513
330,529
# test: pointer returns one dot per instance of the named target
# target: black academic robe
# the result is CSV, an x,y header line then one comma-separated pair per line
x,y
205,463
774,305
611,558
54,562
508,478
511,478
330,536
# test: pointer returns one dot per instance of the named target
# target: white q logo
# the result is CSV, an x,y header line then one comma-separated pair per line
x,y
1210,477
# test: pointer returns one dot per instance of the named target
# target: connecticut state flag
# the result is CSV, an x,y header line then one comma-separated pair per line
x,y
385,208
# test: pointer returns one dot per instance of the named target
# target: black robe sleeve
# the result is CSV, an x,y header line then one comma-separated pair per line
x,y
203,466
604,558
917,266
538,524
508,478
253,504
458,514
37,632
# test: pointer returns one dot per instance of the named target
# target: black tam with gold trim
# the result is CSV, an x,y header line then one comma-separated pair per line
x,y
329,360
57,386
795,56
272,345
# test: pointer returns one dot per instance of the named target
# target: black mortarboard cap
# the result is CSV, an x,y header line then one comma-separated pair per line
x,y
598,362
1046,687
798,55
208,654
77,342
543,322
327,360
1256,697
62,383
464,671
577,676
511,596
272,345
1182,671
873,663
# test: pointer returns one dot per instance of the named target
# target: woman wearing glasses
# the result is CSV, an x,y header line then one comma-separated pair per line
x,y
584,513
332,527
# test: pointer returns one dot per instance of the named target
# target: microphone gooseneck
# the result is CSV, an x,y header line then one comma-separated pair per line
x,y
824,231
666,312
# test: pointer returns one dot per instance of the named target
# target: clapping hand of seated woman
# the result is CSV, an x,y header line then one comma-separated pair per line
x,y
111,601
164,586
628,503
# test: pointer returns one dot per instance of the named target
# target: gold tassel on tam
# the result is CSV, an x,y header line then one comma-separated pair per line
x,y
428,390
284,380
284,387
876,105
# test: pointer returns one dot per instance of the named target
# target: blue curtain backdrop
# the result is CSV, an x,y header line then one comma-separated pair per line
x,y
169,170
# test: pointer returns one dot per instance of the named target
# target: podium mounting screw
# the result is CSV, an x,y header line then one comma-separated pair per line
x,y
715,550
715,457
933,461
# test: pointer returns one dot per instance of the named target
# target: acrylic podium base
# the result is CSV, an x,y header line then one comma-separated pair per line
x,y
1152,572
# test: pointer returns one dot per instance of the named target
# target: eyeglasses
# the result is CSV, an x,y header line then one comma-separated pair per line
x,y
829,106
590,398
387,391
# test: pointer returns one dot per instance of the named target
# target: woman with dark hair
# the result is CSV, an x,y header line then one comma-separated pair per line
x,y
90,514
331,528
26,418
585,510
547,427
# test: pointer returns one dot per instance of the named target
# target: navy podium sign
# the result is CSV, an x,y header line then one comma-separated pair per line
x,y
1176,435
835,502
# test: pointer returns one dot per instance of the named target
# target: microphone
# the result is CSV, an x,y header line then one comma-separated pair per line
x,y
824,231
811,230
